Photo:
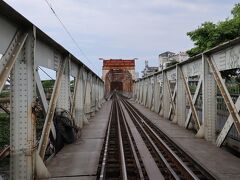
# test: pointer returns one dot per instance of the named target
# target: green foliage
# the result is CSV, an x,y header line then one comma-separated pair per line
x,y
48,84
4,94
4,129
209,34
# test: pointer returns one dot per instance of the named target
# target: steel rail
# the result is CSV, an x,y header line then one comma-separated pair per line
x,y
171,171
192,164
177,159
102,173
123,164
131,144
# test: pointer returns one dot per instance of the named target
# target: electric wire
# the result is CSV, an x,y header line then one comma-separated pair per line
x,y
46,73
69,34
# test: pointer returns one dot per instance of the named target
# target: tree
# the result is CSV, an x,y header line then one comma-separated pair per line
x,y
209,34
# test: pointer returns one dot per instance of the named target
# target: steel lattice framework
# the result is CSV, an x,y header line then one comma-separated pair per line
x,y
155,92
24,48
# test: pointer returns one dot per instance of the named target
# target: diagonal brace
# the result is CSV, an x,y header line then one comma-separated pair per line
x,y
226,96
190,100
196,94
50,112
227,126
10,56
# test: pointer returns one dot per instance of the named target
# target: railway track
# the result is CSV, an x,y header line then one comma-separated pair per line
x,y
121,158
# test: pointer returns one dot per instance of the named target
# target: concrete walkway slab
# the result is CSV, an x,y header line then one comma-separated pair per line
x,y
80,159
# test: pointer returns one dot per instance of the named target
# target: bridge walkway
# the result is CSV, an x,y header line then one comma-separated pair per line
x,y
222,164
80,160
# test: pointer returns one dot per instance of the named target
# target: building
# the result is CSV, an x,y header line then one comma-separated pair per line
x,y
168,58
148,70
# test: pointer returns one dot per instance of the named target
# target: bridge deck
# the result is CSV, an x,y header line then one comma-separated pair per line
x,y
219,162
80,160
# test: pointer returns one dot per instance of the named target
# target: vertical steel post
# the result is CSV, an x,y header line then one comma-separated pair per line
x,y
137,91
166,96
63,101
78,99
209,102
93,104
22,118
140,92
180,99
156,95
149,93
87,105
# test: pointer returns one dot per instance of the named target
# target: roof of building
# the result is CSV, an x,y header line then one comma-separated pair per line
x,y
166,54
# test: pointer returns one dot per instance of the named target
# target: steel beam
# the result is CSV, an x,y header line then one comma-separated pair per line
x,y
63,101
10,56
209,102
22,117
180,99
78,101
166,96
195,96
172,109
226,96
43,99
52,106
156,95
227,126
189,96
87,97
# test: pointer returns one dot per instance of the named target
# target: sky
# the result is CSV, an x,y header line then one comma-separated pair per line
x,y
124,29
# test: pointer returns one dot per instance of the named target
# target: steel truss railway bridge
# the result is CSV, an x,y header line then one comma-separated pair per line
x,y
25,49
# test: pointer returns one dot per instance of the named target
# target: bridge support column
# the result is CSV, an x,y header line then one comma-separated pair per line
x,y
137,91
22,117
149,93
88,93
78,110
140,92
93,97
155,99
98,106
157,96
64,96
180,99
209,102
166,96
144,92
